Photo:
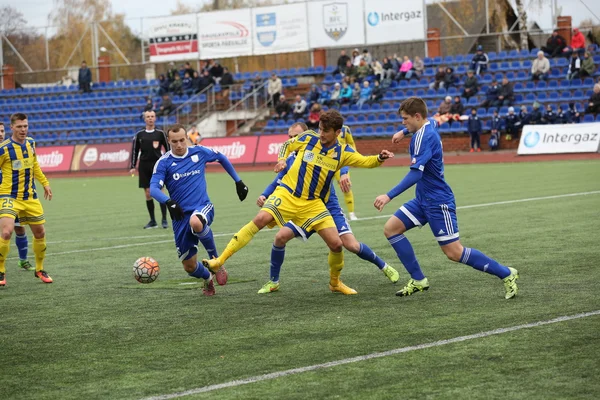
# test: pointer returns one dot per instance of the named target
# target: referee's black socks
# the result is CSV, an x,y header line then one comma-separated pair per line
x,y
150,206
163,210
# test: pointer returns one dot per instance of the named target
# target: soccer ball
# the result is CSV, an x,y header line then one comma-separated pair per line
x,y
145,270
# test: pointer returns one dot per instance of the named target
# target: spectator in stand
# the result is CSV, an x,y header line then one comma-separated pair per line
x,y
257,81
574,66
549,117
594,101
443,114
274,88
282,109
574,117
85,78
417,68
377,70
471,86
186,84
166,106
457,109
172,72
148,107
206,80
376,93
226,82
440,76
495,130
540,67
395,64
365,94
314,117
479,62
313,95
363,71
299,107
474,127
512,121
562,117
346,93
577,41
367,56
335,97
350,72
196,82
341,63
163,86
324,96
587,66
554,45
356,57
388,69
181,72
491,96
189,69
506,94
449,79
405,68
535,117
355,92
216,71
176,87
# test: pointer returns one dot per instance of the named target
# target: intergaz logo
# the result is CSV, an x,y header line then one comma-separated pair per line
x,y
531,139
373,18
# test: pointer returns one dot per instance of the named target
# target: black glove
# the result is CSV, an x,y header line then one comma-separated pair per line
x,y
175,211
241,189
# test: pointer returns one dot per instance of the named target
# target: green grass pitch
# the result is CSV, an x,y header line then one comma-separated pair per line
x,y
95,333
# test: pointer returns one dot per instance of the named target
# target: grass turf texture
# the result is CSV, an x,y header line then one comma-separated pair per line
x,y
97,333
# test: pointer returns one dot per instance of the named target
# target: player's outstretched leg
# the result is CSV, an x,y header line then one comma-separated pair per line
x,y
363,251
23,247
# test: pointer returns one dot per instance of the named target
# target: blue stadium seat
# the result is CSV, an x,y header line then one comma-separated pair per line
x,y
588,118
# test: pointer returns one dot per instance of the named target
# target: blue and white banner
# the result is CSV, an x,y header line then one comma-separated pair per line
x,y
394,21
564,138
225,33
335,23
279,29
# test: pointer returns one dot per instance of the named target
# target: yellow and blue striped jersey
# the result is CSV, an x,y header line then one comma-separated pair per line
x,y
310,175
345,137
19,167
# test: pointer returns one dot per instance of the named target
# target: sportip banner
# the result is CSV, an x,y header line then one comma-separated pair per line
x,y
239,150
336,23
173,38
564,138
55,158
394,21
225,33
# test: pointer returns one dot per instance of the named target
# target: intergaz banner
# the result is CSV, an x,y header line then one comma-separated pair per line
x,y
564,138
173,38
394,21
279,29
334,23
225,33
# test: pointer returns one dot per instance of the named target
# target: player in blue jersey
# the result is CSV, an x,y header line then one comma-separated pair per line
x,y
434,204
181,170
291,230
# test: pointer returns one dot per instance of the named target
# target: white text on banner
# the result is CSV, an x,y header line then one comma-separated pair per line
x,y
394,21
334,23
225,33
173,38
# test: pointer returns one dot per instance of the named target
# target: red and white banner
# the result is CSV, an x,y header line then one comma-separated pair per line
x,y
268,148
239,150
173,38
101,156
55,158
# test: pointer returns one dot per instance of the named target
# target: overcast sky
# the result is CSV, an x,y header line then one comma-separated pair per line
x,y
36,11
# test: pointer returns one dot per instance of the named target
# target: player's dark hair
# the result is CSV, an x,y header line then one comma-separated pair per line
x,y
413,106
175,128
300,124
17,117
2,124
331,119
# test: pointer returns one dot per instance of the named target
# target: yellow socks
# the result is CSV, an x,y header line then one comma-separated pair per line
x,y
336,263
4,249
349,198
240,239
39,249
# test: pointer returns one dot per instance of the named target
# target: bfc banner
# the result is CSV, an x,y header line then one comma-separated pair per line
x,y
334,23
564,138
173,38
225,33
280,29
394,21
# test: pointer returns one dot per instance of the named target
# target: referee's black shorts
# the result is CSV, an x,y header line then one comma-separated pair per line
x,y
145,169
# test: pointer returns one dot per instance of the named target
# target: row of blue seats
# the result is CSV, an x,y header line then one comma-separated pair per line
x,y
126,95
96,86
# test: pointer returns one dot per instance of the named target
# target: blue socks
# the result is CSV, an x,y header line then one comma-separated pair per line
x,y
22,245
406,254
201,272
367,254
208,241
277,256
481,262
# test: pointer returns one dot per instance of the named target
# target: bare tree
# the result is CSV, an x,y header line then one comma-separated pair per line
x,y
12,21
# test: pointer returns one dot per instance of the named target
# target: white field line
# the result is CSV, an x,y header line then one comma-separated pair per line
x,y
123,246
331,364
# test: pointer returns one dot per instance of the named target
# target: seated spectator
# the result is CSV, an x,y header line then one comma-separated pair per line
x,y
512,122
594,101
549,117
376,94
395,63
491,95
574,117
324,96
562,117
346,93
577,41
314,116
163,85
226,82
388,69
176,86
536,114
149,106
405,67
313,95
438,81
471,86
356,57
172,72
206,80
377,69
506,94
274,89
474,127
166,106
367,56
363,70
365,94
479,62
188,68
186,85
443,114
554,45
587,66
299,107
417,68
457,109
449,79
335,97
355,92
283,108
196,82
540,67
495,131
350,72
341,62
574,66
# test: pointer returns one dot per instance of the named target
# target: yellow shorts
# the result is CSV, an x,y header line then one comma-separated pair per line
x,y
338,175
30,212
310,215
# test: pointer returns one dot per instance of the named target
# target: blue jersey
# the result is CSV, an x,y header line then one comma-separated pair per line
x,y
426,155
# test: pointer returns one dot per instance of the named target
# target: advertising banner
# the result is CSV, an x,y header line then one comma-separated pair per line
x,y
89,157
225,33
394,21
268,148
173,38
334,23
567,138
279,29
239,150
55,158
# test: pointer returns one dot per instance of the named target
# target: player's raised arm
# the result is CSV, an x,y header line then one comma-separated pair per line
x,y
353,159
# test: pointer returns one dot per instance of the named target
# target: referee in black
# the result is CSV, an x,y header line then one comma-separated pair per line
x,y
148,143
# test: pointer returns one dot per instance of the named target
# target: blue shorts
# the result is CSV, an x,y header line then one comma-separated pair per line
x,y
185,240
339,218
441,219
